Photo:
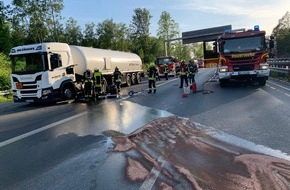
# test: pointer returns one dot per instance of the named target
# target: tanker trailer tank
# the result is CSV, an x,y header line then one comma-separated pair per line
x,y
106,61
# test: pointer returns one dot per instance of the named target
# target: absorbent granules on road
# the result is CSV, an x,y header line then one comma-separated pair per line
x,y
171,153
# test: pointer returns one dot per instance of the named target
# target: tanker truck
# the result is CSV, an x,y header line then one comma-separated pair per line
x,y
52,72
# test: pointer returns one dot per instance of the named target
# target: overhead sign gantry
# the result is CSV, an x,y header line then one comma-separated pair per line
x,y
203,35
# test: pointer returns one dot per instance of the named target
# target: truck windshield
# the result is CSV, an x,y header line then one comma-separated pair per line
x,y
164,60
249,44
29,63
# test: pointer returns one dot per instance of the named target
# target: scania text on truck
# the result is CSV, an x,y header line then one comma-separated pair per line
x,y
51,72
171,63
243,55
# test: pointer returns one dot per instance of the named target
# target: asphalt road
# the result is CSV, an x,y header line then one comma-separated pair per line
x,y
67,146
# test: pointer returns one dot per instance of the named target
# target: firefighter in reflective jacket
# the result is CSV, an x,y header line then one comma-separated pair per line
x,y
192,70
88,83
117,78
166,71
183,74
98,81
152,72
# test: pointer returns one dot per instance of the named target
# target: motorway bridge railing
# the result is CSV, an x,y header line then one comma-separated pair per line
x,y
280,65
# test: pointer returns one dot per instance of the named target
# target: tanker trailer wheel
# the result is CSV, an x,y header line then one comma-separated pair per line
x,y
68,92
128,80
138,78
133,79
105,87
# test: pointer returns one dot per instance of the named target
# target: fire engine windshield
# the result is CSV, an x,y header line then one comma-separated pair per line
x,y
29,63
249,44
164,60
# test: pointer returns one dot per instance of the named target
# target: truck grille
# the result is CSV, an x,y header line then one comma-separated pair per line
x,y
244,60
243,67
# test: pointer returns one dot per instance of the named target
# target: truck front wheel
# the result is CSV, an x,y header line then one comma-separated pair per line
x,y
262,81
224,82
68,92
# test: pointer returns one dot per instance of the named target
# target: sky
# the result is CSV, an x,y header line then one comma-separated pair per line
x,y
189,14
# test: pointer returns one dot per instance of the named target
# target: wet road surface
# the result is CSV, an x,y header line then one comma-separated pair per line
x,y
73,146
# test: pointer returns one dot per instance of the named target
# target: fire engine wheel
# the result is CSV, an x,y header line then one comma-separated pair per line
x,y
128,80
68,92
133,79
224,83
262,81
138,78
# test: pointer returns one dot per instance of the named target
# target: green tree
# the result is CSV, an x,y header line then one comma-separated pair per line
x,y
182,52
197,50
140,33
89,35
5,72
37,20
73,32
5,39
112,35
140,23
167,29
282,36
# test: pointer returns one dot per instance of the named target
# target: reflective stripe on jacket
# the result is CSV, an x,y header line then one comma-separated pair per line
x,y
98,77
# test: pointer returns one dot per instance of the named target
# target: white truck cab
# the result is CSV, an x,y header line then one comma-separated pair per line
x,y
42,73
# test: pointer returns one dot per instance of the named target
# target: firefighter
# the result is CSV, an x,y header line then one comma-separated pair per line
x,y
152,73
183,74
117,78
166,71
192,70
88,83
98,82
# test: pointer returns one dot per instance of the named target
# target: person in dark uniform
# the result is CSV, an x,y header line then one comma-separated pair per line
x,y
88,83
183,74
192,70
152,73
117,78
166,71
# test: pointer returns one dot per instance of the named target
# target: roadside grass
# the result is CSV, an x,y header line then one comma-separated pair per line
x,y
5,98
280,76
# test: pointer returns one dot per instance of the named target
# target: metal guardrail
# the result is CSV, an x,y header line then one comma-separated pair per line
x,y
5,93
280,65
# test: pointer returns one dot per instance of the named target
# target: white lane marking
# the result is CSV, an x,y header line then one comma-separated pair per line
x,y
242,143
285,88
272,88
152,177
12,140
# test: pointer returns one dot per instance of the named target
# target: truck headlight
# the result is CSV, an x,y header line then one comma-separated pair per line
x,y
223,69
47,91
264,66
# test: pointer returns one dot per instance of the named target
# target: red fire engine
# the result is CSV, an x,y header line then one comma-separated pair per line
x,y
243,56
170,61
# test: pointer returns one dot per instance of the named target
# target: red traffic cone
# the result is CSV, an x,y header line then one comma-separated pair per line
x,y
193,87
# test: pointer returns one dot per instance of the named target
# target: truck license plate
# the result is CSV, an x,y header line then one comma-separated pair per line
x,y
29,101
244,72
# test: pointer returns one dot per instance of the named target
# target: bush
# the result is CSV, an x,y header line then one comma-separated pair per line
x,y
5,72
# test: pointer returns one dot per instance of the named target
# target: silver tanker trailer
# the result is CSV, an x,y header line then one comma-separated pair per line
x,y
50,72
